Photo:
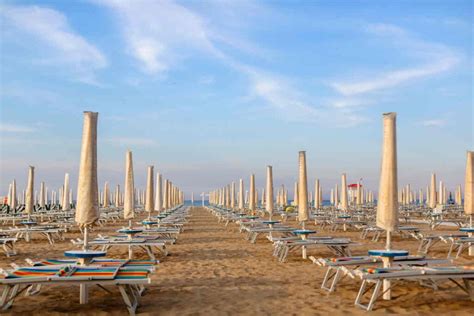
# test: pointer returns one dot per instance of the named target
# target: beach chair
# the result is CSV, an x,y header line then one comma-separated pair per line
x,y
372,280
26,278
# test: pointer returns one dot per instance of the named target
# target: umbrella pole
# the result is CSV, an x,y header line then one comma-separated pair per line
x,y
387,263
303,237
86,237
471,246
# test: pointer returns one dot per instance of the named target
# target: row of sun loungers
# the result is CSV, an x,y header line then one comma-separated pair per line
x,y
128,275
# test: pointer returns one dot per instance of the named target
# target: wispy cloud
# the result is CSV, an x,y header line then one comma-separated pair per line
x,y
130,141
282,97
51,28
157,33
433,123
436,58
13,128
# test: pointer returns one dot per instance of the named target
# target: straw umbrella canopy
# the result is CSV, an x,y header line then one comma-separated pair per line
x,y
129,200
252,193
387,206
149,196
303,214
66,204
87,208
344,202
269,191
29,194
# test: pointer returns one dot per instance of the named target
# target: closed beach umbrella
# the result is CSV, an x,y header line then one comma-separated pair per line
x,y
241,194
42,197
387,207
106,195
432,201
13,202
129,200
317,202
269,191
232,196
149,196
159,193
359,194
29,195
165,195
295,195
469,186
344,203
252,193
303,214
65,202
87,208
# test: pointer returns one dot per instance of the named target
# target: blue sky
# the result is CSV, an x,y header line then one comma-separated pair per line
x,y
210,91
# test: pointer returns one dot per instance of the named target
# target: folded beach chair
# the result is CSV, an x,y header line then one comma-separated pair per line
x,y
372,278
26,278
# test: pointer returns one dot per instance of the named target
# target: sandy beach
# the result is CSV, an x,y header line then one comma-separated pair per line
x,y
213,270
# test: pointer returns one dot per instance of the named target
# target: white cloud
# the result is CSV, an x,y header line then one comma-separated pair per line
x,y
130,141
13,128
51,28
282,97
433,123
436,59
158,32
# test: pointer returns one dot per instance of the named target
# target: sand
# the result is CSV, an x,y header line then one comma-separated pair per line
x,y
213,270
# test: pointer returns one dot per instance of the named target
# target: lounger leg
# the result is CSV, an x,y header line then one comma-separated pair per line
x,y
469,288
131,306
373,298
4,296
83,294
11,297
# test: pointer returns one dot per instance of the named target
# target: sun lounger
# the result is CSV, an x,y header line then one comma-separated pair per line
x,y
141,243
28,278
103,262
372,278
338,246
338,268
